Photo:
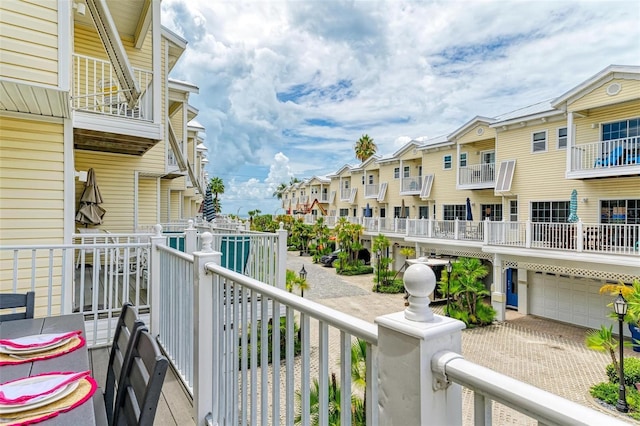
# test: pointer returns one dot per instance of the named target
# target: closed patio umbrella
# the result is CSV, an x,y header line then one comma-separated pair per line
x,y
90,212
209,212
367,211
573,207
469,212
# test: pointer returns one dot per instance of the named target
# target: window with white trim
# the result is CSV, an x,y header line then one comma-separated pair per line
x,y
453,211
370,179
620,211
419,170
539,141
463,159
550,211
447,162
562,138
621,129
513,210
344,212
396,173
493,212
406,172
363,179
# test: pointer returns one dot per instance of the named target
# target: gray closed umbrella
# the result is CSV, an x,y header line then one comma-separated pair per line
x,y
90,212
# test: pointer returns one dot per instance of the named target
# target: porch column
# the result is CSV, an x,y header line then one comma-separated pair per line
x,y
570,142
204,401
523,291
498,290
282,257
408,391
154,278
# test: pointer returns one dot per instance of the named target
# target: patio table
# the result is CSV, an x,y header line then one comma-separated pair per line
x,y
78,360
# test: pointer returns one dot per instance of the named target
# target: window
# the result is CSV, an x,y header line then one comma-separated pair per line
x,y
344,212
397,211
370,179
345,184
550,211
513,210
621,129
539,141
363,179
488,157
492,212
620,211
463,159
314,191
419,170
446,162
423,212
396,173
454,211
562,138
383,212
406,172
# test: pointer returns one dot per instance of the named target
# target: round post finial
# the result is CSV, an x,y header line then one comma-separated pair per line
x,y
281,226
157,229
206,239
420,281
190,224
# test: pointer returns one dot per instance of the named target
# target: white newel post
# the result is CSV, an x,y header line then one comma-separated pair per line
x,y
498,289
528,234
282,257
154,277
203,397
579,236
456,228
190,238
408,391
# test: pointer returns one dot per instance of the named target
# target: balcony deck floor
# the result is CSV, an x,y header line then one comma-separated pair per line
x,y
175,406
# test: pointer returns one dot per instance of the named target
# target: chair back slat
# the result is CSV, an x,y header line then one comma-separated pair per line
x,y
18,300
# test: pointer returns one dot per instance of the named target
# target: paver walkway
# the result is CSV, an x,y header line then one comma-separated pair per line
x,y
545,353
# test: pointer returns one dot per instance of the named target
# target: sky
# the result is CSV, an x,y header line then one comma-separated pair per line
x,y
286,88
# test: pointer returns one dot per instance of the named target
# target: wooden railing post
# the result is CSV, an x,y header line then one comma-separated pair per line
x,y
190,238
204,400
154,279
281,257
407,341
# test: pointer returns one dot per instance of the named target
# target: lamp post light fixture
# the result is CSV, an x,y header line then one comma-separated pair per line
x,y
303,277
449,269
620,307
378,254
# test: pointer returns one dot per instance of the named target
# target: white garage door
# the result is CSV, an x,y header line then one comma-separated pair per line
x,y
568,299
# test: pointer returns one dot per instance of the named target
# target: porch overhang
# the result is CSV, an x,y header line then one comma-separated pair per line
x,y
31,99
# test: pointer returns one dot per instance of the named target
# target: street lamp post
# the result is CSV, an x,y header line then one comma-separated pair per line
x,y
449,269
620,306
303,277
378,254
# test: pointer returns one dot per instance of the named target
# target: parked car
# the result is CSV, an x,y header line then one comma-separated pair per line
x,y
328,259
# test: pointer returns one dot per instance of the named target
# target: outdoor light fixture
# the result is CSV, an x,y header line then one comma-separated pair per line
x,y
620,307
303,273
449,269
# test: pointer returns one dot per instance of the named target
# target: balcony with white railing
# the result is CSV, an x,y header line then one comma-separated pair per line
x,y
477,176
214,326
323,197
617,157
371,190
411,185
345,194
100,106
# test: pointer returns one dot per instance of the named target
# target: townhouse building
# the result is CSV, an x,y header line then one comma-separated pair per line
x,y
547,195
85,85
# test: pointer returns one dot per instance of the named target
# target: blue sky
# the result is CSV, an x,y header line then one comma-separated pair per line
x,y
286,88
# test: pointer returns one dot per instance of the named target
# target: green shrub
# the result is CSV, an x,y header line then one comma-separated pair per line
x,y
392,287
608,393
360,270
631,372
297,347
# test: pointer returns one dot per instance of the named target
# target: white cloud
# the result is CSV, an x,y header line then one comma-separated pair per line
x,y
385,68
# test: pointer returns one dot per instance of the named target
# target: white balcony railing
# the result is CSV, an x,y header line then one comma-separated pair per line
x,y
477,174
371,190
345,194
411,184
225,360
324,197
604,155
95,89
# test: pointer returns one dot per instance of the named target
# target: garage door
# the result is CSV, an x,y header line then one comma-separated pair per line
x,y
568,299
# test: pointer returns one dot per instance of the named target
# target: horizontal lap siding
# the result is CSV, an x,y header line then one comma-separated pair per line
x,y
31,181
598,97
443,190
588,128
29,41
147,201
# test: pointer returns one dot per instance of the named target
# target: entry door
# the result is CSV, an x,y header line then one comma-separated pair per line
x,y
512,288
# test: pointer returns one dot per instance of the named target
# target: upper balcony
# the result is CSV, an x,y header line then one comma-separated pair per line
x,y
477,176
371,190
103,119
411,185
616,157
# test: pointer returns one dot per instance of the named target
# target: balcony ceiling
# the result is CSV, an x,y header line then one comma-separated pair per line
x,y
92,140
128,17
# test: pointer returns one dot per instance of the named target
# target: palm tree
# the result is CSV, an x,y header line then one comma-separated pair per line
x,y
279,192
217,187
603,341
365,147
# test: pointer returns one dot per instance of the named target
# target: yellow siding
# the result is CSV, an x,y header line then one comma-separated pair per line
x,y
588,128
29,41
473,136
630,90
392,197
147,201
31,181
474,150
164,201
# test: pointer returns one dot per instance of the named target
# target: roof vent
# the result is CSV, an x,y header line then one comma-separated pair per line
x,y
613,89
479,131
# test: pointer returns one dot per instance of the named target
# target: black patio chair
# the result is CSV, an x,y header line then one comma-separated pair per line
x,y
119,356
18,300
143,377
